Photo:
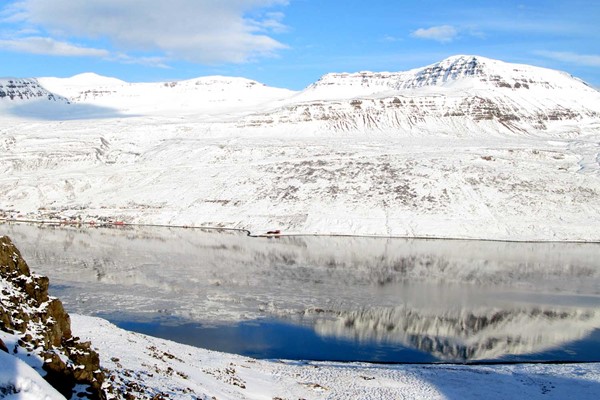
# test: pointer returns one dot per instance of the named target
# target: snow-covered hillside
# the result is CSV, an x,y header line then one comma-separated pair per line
x,y
461,95
207,95
16,90
147,366
468,147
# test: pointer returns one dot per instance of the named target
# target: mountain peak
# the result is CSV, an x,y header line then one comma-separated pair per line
x,y
459,72
91,78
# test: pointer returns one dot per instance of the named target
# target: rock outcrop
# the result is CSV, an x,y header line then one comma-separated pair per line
x,y
44,327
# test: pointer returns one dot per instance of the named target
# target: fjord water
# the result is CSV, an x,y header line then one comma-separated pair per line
x,y
329,298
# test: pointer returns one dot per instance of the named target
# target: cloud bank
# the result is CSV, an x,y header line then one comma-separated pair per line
x,y
199,31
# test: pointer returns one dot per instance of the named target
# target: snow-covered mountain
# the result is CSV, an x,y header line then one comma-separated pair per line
x,y
14,90
468,147
453,72
206,95
461,95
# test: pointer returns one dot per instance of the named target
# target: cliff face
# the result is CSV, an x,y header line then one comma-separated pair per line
x,y
43,327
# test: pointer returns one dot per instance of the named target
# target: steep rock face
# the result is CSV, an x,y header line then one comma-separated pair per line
x,y
400,114
26,89
43,326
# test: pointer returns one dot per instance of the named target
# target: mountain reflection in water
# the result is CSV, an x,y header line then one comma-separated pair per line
x,y
455,300
465,335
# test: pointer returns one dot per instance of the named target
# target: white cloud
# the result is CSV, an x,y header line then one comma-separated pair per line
x,y
204,31
588,60
442,33
48,46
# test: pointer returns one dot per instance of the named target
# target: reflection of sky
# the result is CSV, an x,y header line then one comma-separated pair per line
x,y
222,278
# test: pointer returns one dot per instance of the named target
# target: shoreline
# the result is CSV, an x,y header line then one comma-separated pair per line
x,y
158,363
147,366
249,233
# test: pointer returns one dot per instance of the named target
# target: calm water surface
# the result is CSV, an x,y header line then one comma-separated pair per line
x,y
324,298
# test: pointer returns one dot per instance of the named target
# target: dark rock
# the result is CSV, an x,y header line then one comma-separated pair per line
x,y
30,309
60,330
3,346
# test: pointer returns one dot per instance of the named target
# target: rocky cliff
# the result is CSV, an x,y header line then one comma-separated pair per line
x,y
43,328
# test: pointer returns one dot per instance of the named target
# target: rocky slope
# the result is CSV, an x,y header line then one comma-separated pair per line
x,y
25,89
36,326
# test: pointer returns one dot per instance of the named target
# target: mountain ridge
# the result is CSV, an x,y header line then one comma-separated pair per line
x,y
468,65
459,95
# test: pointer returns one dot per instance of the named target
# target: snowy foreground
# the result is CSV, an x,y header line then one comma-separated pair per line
x,y
145,364
19,381
188,372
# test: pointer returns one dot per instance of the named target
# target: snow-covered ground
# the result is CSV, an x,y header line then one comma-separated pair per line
x,y
184,372
18,379
177,173
466,148
145,366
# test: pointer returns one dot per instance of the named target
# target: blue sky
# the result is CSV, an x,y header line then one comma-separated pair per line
x,y
289,43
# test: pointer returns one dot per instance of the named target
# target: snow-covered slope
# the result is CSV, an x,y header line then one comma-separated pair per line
x,y
468,147
457,72
192,373
202,95
14,90
28,98
18,380
460,95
